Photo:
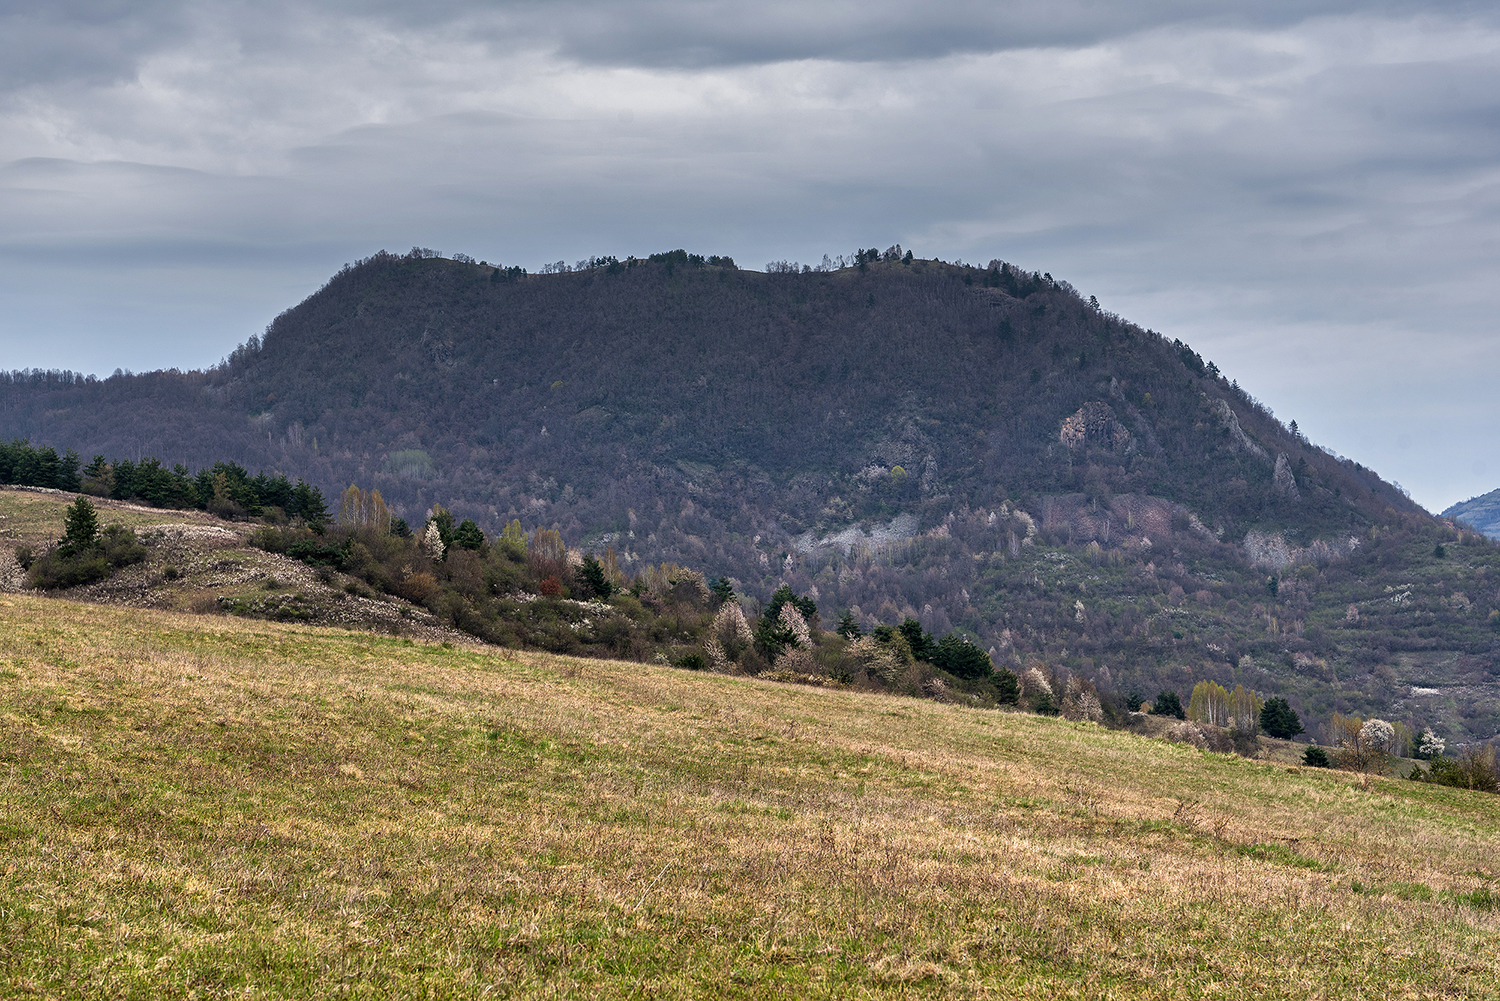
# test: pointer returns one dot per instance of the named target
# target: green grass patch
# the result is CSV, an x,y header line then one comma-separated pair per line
x,y
213,807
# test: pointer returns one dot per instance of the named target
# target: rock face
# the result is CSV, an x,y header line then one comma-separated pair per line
x,y
1094,426
1282,479
1236,433
1481,513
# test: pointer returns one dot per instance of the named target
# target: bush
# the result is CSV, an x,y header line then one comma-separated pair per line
x,y
121,547
1316,757
1474,768
73,564
53,571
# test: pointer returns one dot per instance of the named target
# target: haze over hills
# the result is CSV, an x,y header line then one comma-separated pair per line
x,y
1482,513
980,448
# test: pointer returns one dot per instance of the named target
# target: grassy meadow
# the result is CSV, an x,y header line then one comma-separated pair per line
x,y
203,806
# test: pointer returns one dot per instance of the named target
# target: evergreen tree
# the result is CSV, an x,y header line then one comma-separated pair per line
x,y
594,578
921,643
1168,704
1007,686
961,658
468,535
1279,719
849,627
442,519
80,528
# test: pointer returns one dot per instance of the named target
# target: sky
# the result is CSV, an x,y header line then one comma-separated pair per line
x,y
1307,192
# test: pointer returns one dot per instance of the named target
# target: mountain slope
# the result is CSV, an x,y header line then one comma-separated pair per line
x,y
978,448
1482,512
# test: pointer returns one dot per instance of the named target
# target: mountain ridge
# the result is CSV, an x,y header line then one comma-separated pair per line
x,y
674,409
1481,512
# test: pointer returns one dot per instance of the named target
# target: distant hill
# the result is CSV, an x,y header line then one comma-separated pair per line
x,y
1481,513
980,448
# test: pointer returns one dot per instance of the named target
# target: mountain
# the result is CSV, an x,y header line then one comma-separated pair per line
x,y
1481,513
979,448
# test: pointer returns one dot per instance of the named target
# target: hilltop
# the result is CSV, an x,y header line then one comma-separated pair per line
x,y
977,447
213,806
1482,513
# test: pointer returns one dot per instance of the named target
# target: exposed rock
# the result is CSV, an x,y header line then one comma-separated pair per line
x,y
1237,433
1094,426
1271,551
1282,480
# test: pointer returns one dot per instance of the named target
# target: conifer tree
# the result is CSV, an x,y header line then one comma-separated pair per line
x,y
80,528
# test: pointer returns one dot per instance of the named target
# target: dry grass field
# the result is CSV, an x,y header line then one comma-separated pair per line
x,y
212,807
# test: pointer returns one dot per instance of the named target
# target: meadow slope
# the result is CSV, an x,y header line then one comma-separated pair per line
x,y
211,807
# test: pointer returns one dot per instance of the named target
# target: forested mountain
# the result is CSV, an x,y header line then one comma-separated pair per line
x,y
978,447
1482,513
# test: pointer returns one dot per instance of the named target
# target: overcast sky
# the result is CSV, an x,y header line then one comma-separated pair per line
x,y
1306,192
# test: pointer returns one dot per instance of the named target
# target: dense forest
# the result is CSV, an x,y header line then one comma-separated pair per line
x,y
979,449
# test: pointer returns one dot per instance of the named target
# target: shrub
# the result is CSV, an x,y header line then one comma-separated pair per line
x,y
53,571
121,547
74,563
1316,757
1474,768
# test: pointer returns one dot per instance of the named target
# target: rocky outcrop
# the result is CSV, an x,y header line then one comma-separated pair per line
x,y
1094,426
1236,433
1282,481
1271,551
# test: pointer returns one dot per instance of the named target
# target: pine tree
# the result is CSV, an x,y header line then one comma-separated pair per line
x,y
80,528
1278,719
1168,704
468,535
849,626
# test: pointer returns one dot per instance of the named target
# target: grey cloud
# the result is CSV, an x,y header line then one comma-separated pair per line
x,y
1318,222
688,34
104,41
84,42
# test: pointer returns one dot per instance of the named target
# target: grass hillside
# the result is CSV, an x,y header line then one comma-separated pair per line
x,y
200,563
214,807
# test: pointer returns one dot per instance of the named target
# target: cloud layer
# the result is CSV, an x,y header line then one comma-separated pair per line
x,y
1306,192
